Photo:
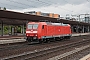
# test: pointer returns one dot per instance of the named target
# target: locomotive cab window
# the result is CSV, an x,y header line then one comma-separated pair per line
x,y
32,26
35,26
29,26
43,27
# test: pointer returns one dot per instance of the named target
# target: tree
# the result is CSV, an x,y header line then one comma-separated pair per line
x,y
0,8
4,8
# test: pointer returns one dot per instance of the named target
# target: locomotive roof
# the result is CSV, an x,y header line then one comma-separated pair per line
x,y
59,24
49,23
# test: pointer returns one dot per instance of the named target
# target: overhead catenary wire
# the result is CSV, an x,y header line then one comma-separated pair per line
x,y
67,9
43,2
69,3
88,1
60,7
46,3
10,5
34,6
55,5
38,2
21,3
72,5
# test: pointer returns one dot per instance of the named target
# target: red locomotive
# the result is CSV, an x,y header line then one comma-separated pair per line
x,y
44,31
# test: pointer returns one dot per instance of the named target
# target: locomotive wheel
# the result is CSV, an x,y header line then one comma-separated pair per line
x,y
40,41
27,39
68,37
45,41
61,38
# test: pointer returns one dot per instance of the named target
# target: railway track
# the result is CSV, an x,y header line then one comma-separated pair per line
x,y
32,55
72,55
17,45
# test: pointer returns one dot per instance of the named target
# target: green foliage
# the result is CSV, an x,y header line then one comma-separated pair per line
x,y
4,8
18,29
5,29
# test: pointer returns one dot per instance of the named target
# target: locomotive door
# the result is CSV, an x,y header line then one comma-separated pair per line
x,y
44,30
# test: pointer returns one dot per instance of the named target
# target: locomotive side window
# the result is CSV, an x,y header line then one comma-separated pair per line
x,y
43,27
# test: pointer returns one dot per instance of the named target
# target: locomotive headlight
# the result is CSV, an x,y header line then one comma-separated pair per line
x,y
27,31
27,34
35,35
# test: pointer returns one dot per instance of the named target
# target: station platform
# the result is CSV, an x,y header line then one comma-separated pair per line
x,y
78,34
11,37
21,38
11,41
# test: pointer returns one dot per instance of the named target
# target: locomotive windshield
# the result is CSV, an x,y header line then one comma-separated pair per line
x,y
35,26
32,26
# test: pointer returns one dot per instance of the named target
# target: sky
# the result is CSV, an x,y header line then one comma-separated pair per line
x,y
61,7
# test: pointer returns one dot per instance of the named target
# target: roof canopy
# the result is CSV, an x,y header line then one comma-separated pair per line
x,y
17,18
